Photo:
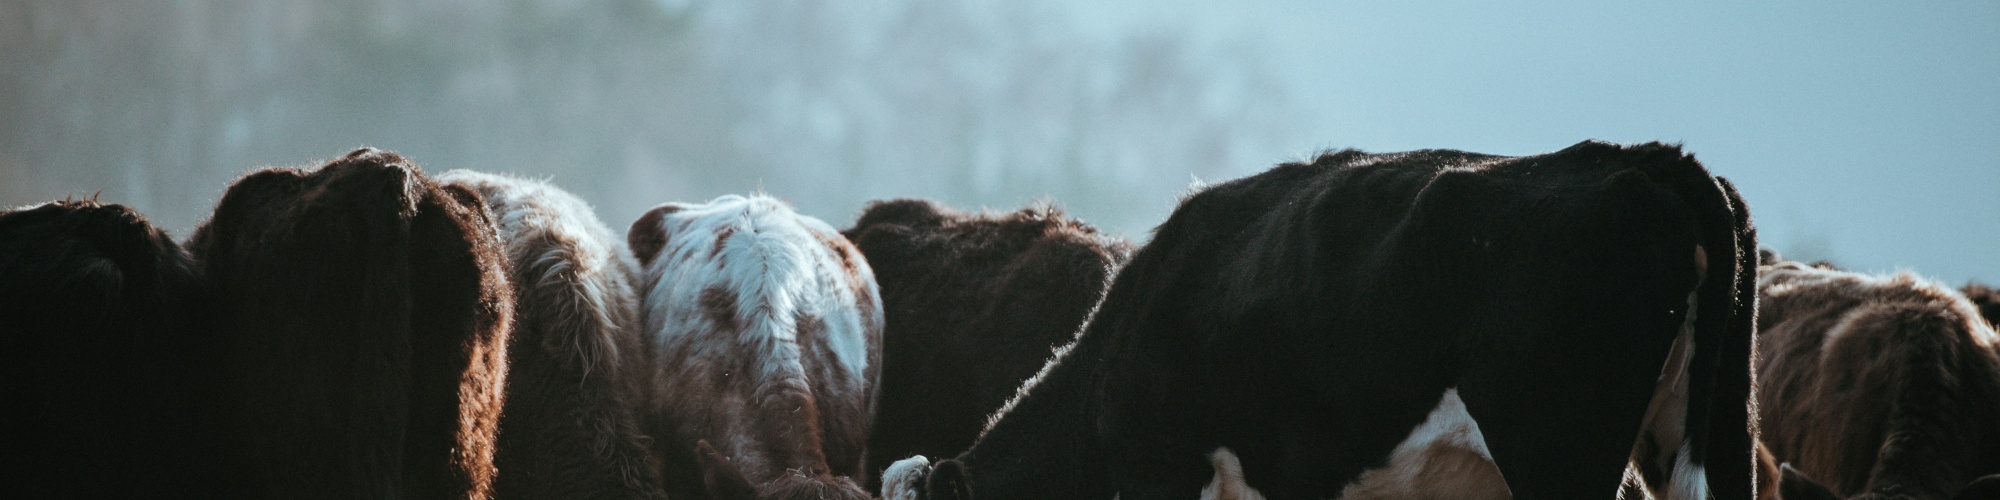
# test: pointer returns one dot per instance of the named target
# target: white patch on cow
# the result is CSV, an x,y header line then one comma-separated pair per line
x,y
772,262
1228,483
771,268
1666,422
1690,480
1444,457
904,479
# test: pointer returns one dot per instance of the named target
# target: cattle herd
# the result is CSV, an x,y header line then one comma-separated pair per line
x,y
1595,322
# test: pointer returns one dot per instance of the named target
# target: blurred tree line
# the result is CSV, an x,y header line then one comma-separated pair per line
x,y
630,103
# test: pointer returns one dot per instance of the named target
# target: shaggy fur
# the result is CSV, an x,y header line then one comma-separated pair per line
x,y
1309,318
367,311
567,430
103,323
763,330
975,304
1878,386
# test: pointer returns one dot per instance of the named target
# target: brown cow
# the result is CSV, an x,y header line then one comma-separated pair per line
x,y
567,430
763,331
104,389
1881,386
975,304
1987,298
367,312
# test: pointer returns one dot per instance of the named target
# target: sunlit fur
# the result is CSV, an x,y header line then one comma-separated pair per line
x,y
763,330
1876,384
567,430
975,303
368,311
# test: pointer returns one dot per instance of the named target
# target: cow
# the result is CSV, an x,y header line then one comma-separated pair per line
x,y
763,332
1304,322
1988,300
567,429
367,312
104,319
975,304
1876,386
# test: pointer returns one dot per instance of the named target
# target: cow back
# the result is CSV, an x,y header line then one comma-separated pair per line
x,y
568,429
1877,384
107,380
975,303
367,312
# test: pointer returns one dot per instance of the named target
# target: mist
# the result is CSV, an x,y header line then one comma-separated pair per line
x,y
1859,132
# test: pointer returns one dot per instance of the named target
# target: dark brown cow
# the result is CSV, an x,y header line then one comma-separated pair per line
x,y
763,334
1881,386
103,335
1988,300
975,304
568,430
367,311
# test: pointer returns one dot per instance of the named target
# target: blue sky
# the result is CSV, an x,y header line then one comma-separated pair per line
x,y
1859,132
1863,132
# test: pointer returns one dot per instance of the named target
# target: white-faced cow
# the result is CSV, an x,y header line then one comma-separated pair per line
x,y
1876,386
1309,320
975,304
567,430
763,332
106,382
367,311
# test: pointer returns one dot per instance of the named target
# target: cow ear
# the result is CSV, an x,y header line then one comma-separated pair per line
x,y
949,481
648,235
1793,485
1985,488
722,478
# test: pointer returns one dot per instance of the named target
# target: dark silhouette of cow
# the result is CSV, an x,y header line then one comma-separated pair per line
x,y
105,329
976,302
1303,322
567,430
1880,386
763,333
367,310
1988,300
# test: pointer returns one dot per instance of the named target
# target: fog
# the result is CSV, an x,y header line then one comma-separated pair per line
x,y
1859,132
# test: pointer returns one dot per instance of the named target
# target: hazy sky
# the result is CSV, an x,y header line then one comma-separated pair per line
x,y
1864,132
1859,132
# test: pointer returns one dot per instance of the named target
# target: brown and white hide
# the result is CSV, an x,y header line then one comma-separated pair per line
x,y
763,331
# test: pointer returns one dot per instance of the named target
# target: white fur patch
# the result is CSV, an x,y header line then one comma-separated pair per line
x,y
1666,421
732,287
1690,480
1228,483
904,479
1444,457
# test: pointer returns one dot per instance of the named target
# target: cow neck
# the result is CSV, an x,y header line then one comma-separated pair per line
x,y
1047,446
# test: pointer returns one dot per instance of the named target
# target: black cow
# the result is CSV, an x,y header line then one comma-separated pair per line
x,y
1307,319
104,324
975,304
367,312
1880,386
567,430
